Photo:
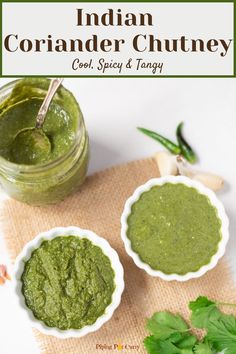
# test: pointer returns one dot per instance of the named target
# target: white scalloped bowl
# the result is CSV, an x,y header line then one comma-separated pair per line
x,y
201,189
96,240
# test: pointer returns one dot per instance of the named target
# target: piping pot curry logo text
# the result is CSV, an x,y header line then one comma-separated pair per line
x,y
119,346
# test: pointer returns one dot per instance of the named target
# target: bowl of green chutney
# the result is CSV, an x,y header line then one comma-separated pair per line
x,y
174,228
68,282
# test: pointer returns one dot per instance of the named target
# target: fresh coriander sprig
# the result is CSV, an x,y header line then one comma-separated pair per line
x,y
170,334
221,328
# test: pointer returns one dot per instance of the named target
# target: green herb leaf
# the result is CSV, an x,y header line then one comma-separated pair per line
x,y
221,328
151,344
171,335
202,311
222,333
163,324
187,341
203,348
202,301
157,346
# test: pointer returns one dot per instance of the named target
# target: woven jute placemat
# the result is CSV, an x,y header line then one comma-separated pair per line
x,y
98,207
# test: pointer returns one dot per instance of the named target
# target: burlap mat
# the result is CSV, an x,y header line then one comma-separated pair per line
x,y
98,206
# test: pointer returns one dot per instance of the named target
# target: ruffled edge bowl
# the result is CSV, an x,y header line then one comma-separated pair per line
x,y
201,189
96,240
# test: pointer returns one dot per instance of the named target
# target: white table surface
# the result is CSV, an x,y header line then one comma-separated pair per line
x,y
112,109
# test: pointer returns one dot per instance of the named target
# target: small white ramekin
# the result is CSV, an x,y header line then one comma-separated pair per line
x,y
96,240
201,189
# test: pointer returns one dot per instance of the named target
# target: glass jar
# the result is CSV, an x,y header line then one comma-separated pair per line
x,y
53,181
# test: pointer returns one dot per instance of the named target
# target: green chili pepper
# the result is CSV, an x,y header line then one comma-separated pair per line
x,y
169,145
186,149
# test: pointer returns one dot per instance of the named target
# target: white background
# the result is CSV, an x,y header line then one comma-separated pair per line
x,y
170,20
112,109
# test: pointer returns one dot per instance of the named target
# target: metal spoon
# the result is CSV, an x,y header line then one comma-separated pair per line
x,y
32,144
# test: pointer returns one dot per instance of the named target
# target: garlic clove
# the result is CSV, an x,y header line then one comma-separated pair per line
x,y
183,167
210,180
166,163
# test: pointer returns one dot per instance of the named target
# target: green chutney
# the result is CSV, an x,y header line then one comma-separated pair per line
x,y
68,282
19,111
30,170
174,229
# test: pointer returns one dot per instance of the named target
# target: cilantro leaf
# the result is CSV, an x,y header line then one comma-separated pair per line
x,y
157,346
163,324
202,301
183,341
203,348
221,328
171,334
151,344
203,310
187,341
222,334
187,351
177,337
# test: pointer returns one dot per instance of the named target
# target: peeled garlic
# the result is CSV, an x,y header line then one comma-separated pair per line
x,y
184,168
167,163
209,180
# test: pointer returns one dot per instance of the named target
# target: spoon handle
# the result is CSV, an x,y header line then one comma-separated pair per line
x,y
53,87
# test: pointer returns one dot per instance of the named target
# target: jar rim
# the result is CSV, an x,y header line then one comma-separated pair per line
x,y
12,167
